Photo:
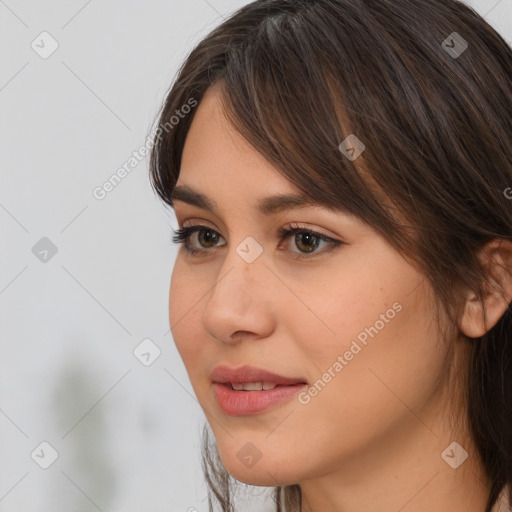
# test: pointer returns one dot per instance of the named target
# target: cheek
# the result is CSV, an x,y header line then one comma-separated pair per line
x,y
380,323
331,307
185,302
378,383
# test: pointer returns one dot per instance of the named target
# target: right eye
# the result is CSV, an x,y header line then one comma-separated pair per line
x,y
183,236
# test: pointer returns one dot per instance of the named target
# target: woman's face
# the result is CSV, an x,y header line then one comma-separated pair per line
x,y
352,321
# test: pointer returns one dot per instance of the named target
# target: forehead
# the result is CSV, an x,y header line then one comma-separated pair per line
x,y
218,162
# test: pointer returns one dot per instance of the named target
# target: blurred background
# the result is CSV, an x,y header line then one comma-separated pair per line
x,y
96,410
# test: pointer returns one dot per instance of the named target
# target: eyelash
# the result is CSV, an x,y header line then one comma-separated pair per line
x,y
182,236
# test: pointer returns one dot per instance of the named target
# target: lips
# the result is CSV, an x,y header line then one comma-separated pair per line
x,y
247,390
250,374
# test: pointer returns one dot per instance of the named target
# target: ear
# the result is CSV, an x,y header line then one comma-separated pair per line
x,y
482,312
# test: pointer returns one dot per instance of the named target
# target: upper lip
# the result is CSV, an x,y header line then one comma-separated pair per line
x,y
245,374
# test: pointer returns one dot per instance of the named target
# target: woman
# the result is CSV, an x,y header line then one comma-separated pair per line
x,y
340,171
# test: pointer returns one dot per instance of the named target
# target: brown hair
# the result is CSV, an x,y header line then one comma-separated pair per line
x,y
299,76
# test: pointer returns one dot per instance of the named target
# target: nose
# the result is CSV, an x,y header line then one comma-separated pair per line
x,y
239,305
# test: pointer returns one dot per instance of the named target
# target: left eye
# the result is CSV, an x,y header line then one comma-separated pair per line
x,y
306,240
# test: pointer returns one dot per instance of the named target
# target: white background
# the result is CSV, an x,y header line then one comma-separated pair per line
x,y
127,435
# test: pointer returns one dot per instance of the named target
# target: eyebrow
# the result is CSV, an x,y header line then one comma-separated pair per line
x,y
266,206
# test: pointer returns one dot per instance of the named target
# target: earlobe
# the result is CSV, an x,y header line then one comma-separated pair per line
x,y
483,311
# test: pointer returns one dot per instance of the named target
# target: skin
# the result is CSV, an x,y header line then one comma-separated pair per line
x,y
375,433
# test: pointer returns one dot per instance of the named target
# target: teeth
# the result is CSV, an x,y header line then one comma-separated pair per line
x,y
253,386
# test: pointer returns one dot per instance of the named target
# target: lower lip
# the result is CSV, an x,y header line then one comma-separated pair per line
x,y
245,403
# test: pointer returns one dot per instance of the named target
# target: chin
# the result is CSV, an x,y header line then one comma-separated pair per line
x,y
267,471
